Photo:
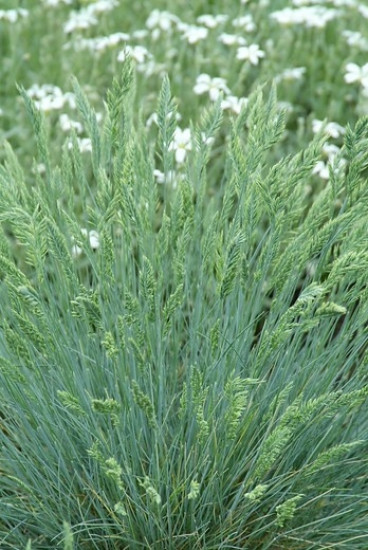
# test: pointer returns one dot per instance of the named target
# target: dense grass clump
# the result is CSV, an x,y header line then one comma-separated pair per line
x,y
189,371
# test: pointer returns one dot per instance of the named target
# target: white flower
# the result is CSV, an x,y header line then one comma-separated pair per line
x,y
152,119
354,73
139,34
231,39
98,44
194,34
93,239
234,103
214,86
48,97
116,38
338,3
322,170
330,150
84,144
335,163
12,15
150,67
363,10
181,144
172,177
139,53
163,20
76,251
86,17
207,140
212,21
39,168
102,6
246,22
70,99
78,20
332,129
310,16
250,53
39,92
66,124
160,176
51,103
53,3
295,73
356,40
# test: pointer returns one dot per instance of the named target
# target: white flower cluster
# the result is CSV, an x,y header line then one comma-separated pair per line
x,y
363,10
332,129
49,98
332,153
161,21
192,33
86,17
355,73
79,20
355,39
84,145
13,15
333,161
182,139
93,239
212,86
54,3
172,178
231,39
250,53
336,3
99,43
181,143
101,6
67,124
142,57
165,22
310,16
216,86
296,73
234,103
245,22
212,21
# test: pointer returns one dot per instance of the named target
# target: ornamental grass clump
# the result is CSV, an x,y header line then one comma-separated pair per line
x,y
194,374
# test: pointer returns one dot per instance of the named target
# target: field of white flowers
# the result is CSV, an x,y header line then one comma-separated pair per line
x,y
183,274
